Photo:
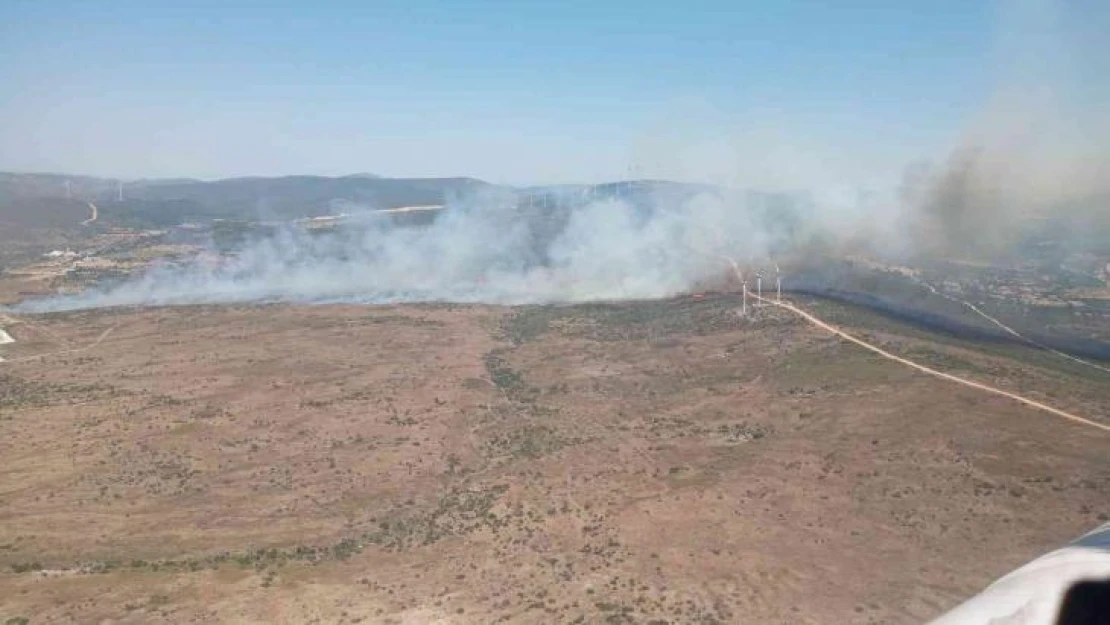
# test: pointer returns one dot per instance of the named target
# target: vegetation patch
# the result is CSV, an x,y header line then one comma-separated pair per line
x,y
654,319
530,441
405,320
941,360
512,383
619,321
457,513
733,433
17,392
530,322
741,432
503,375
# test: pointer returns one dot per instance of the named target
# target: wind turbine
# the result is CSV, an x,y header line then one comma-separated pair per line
x,y
743,288
778,284
758,289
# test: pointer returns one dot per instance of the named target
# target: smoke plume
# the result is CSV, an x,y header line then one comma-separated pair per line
x,y
479,250
1036,150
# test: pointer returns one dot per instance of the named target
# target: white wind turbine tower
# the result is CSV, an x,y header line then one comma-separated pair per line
x,y
119,190
778,284
743,291
758,289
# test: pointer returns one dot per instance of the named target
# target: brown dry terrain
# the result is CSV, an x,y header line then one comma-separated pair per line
x,y
642,462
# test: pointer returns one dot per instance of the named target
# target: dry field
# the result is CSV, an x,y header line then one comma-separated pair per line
x,y
644,462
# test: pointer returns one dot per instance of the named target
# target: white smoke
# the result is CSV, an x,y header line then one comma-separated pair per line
x,y
1036,149
481,250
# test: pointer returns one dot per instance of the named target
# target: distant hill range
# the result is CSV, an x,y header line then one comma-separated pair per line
x,y
165,202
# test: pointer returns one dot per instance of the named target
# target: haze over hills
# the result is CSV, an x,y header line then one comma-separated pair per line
x,y
498,244
169,201
307,196
285,196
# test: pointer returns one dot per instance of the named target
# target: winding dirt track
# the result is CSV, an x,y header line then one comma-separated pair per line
x,y
98,341
92,214
922,368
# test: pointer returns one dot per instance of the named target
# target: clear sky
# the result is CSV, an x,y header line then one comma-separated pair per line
x,y
509,91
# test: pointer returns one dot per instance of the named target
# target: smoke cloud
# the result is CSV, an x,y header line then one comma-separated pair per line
x,y
480,250
1036,150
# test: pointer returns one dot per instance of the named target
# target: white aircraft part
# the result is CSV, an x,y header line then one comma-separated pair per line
x,y
5,338
1032,594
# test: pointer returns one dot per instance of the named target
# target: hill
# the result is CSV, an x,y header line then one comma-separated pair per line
x,y
15,186
306,196
162,201
31,225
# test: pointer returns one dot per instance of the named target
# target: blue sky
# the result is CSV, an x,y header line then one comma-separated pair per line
x,y
517,92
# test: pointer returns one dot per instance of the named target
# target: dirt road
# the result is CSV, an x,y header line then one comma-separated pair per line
x,y
922,368
92,215
98,341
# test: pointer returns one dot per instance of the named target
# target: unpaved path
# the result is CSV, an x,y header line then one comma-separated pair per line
x,y
8,320
92,215
924,369
98,341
